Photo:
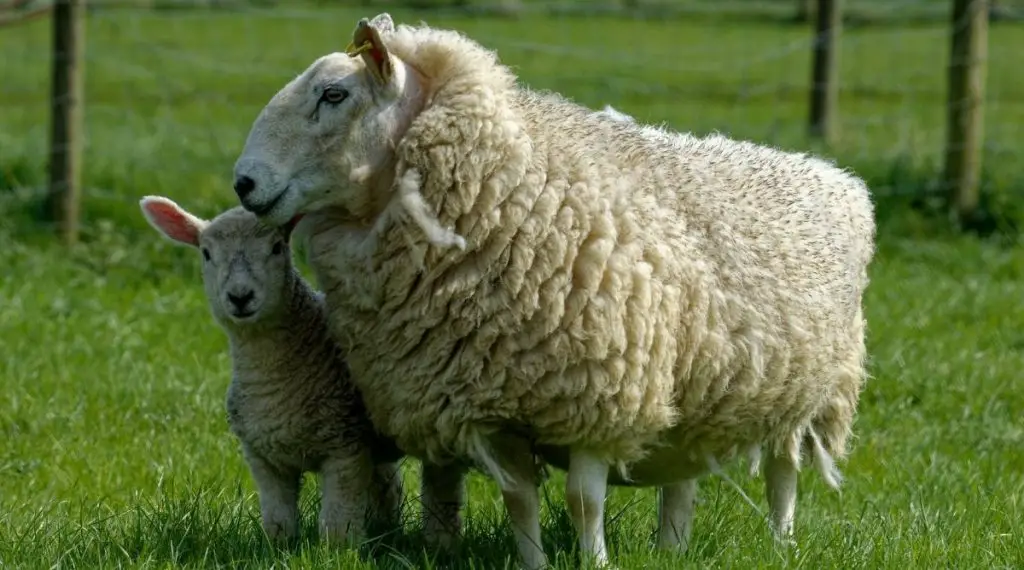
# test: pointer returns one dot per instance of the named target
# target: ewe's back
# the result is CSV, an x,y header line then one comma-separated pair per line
x,y
760,217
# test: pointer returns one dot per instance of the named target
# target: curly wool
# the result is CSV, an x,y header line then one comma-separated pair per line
x,y
618,289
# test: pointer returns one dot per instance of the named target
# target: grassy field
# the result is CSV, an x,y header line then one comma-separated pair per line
x,y
115,448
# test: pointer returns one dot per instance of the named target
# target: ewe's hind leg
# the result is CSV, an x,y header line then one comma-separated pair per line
x,y
675,514
442,489
345,483
510,461
585,491
780,477
279,497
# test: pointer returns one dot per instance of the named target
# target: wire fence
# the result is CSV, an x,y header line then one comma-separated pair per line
x,y
105,102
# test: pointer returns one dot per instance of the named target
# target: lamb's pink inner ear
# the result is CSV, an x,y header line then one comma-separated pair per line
x,y
174,222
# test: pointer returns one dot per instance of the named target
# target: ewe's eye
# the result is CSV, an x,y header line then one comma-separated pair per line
x,y
334,95
206,254
278,248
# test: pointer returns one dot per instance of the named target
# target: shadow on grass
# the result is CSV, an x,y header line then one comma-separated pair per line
x,y
210,526
207,526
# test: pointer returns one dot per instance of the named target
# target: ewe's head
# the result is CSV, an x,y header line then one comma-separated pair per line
x,y
247,269
326,137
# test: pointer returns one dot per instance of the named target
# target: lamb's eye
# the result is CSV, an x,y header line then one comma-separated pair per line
x,y
278,248
206,254
334,95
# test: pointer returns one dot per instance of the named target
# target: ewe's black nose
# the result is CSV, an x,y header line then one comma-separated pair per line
x,y
240,301
244,186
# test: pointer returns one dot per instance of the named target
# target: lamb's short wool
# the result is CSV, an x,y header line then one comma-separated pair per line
x,y
512,272
290,402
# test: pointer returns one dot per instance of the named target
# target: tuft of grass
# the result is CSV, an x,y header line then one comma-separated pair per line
x,y
116,450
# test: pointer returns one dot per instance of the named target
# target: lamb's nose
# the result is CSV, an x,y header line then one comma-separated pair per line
x,y
240,301
244,186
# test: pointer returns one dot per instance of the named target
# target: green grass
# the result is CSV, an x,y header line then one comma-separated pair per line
x,y
115,447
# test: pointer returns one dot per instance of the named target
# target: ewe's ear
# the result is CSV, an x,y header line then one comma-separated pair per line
x,y
383,23
171,220
367,43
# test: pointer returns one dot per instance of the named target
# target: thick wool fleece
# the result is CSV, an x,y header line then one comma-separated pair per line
x,y
615,283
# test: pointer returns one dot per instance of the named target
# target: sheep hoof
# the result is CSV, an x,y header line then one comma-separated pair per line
x,y
279,532
440,539
340,534
280,523
788,543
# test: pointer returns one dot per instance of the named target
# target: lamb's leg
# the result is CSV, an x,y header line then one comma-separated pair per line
x,y
279,497
586,487
675,514
443,489
345,485
780,477
511,462
387,496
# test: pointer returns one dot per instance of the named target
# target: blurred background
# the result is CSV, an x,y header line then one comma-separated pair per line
x,y
113,375
169,87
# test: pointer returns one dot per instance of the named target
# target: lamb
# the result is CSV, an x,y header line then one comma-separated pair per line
x,y
511,272
291,403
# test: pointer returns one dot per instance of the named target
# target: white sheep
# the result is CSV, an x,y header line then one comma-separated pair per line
x,y
290,402
510,271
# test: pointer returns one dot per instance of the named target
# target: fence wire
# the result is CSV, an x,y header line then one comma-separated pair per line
x,y
172,89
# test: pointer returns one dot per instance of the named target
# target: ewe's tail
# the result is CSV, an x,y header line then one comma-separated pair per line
x,y
821,458
823,461
832,428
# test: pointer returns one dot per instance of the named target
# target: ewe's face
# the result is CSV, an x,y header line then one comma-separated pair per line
x,y
246,267
325,137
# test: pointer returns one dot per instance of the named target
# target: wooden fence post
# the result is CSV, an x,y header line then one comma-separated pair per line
x,y
965,121
825,70
66,116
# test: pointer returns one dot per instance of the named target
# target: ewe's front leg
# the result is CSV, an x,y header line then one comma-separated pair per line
x,y
780,477
279,497
585,491
443,492
345,484
676,506
515,469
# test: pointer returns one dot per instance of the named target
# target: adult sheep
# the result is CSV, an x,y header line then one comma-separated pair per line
x,y
652,304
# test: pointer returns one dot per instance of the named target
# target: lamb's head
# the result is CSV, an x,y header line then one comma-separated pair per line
x,y
247,266
327,138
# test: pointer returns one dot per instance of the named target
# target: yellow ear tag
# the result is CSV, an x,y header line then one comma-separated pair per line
x,y
353,51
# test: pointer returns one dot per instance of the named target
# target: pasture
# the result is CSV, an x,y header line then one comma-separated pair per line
x,y
115,449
